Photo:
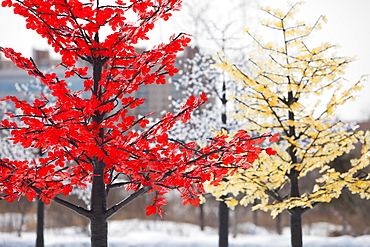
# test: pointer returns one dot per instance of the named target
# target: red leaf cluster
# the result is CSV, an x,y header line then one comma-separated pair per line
x,y
77,133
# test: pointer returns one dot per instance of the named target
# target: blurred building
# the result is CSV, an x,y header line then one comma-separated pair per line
x,y
157,96
12,77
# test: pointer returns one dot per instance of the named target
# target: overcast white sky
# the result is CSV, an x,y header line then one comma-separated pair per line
x,y
348,25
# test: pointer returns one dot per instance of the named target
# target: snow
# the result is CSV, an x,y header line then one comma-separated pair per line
x,y
137,233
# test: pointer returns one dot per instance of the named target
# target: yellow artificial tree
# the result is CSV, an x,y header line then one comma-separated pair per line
x,y
294,89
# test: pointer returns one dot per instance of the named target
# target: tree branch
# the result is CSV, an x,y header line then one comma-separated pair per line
x,y
78,209
111,211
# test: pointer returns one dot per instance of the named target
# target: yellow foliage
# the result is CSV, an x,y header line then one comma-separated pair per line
x,y
324,19
231,202
281,96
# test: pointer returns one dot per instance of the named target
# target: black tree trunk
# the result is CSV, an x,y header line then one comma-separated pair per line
x,y
295,213
40,224
279,224
296,227
201,216
223,210
98,219
235,222
99,231
223,224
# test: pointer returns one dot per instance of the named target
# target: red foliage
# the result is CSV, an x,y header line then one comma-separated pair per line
x,y
78,133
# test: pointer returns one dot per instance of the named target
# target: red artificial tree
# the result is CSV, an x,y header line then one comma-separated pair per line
x,y
92,139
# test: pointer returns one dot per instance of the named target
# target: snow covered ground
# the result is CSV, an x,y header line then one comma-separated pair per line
x,y
135,233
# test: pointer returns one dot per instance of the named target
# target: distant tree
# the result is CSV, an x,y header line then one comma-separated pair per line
x,y
27,90
286,82
212,31
212,119
14,152
220,34
88,136
199,76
